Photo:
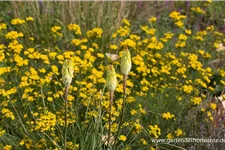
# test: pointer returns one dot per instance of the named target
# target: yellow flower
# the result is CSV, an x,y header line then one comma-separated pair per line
x,y
7,147
179,132
152,19
168,115
126,22
2,132
50,99
213,106
188,32
100,55
122,138
203,109
113,47
169,136
143,141
198,10
2,26
196,100
29,19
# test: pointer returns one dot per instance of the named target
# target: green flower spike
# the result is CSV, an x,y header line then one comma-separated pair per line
x,y
111,80
125,64
67,72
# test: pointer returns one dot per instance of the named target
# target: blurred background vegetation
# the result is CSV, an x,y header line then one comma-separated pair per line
x,y
106,15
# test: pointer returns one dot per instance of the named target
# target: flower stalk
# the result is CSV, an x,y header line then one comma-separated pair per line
x,y
67,75
111,82
125,67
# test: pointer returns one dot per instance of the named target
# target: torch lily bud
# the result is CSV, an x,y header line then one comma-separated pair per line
x,y
125,64
67,72
111,80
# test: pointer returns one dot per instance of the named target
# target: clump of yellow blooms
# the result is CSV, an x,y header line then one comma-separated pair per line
x,y
56,30
13,35
155,131
7,113
168,115
3,26
17,21
95,32
198,10
75,28
178,18
45,122
196,100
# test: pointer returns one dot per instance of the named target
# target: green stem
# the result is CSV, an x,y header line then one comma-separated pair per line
x,y
66,109
124,96
110,109
123,106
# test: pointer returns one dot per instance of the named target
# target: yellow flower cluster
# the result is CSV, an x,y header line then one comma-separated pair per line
x,y
47,121
2,26
168,115
13,35
56,30
128,43
95,32
178,18
187,88
8,114
2,132
196,100
123,30
198,10
155,131
75,28
77,42
182,41
17,21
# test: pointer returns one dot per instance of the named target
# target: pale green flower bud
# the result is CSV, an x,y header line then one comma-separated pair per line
x,y
111,80
67,72
125,64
